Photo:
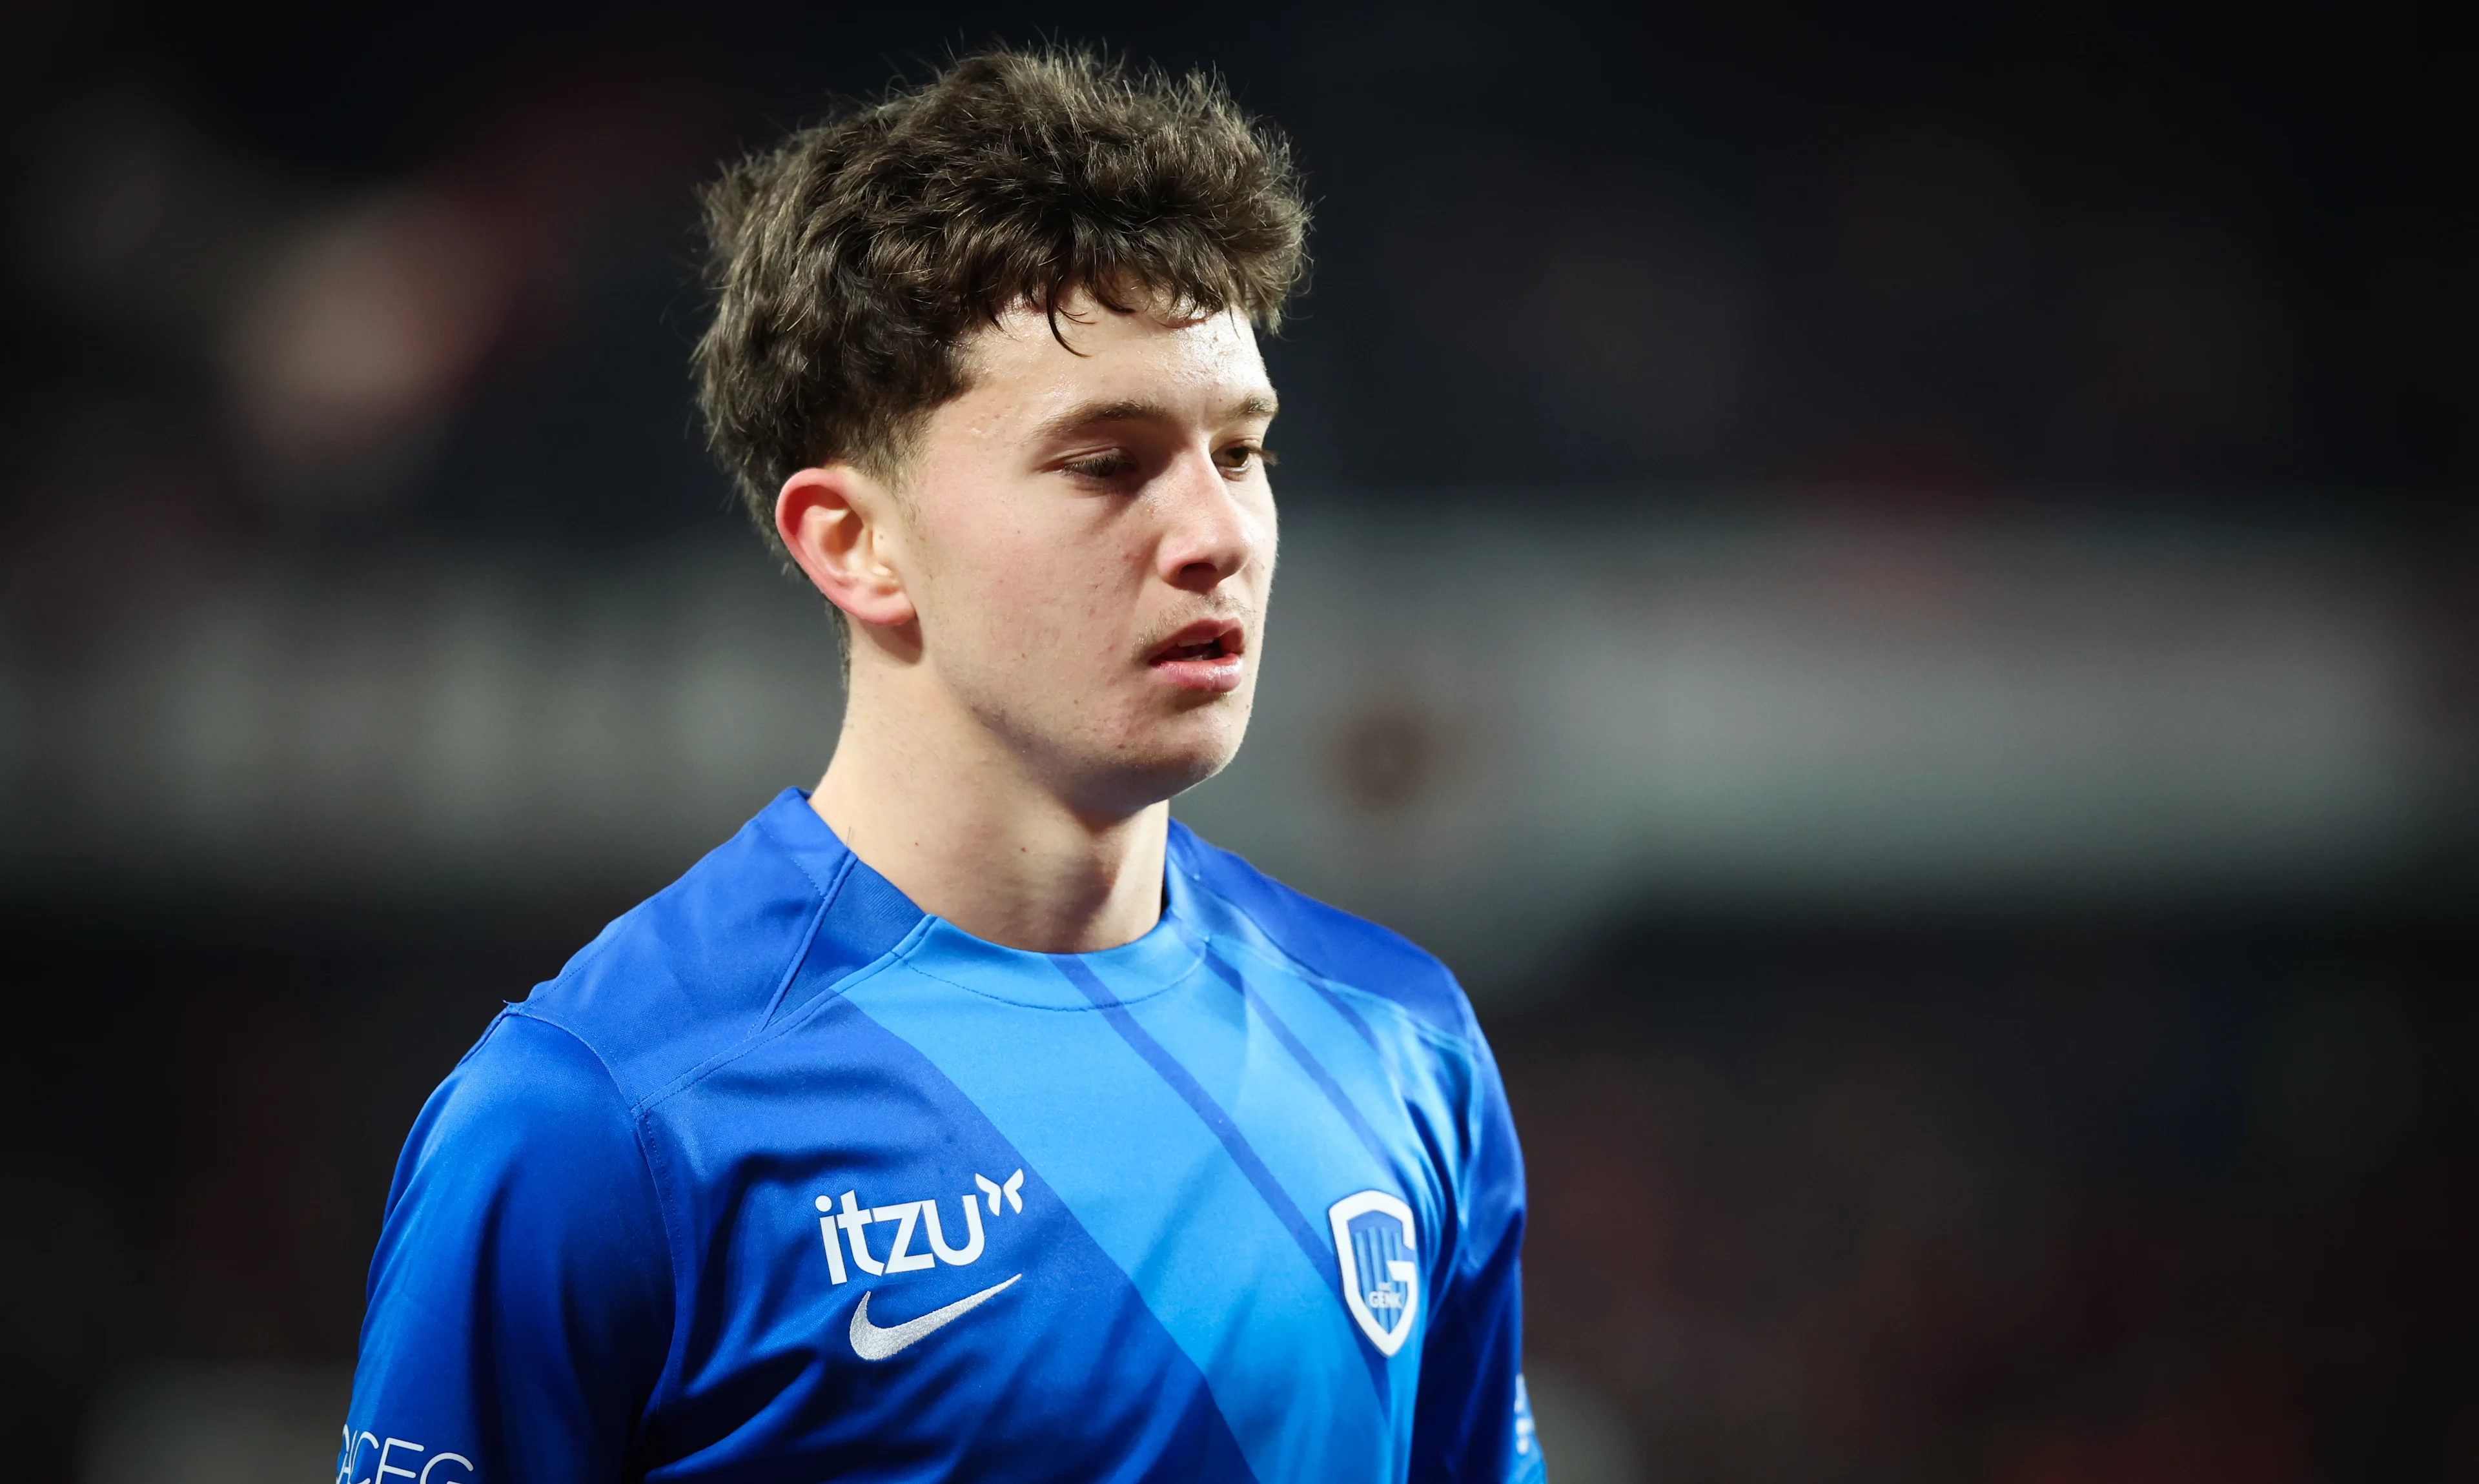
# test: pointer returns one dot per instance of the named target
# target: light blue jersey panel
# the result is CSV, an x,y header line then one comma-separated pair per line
x,y
1244,1283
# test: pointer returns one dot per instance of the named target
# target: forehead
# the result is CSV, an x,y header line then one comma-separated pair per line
x,y
1201,367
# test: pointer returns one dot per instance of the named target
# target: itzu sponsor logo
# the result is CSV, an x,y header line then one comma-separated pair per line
x,y
1379,1253
913,1233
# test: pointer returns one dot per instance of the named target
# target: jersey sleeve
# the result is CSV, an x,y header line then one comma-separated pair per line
x,y
520,1299
1472,1423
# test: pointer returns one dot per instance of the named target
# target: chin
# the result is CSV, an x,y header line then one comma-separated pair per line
x,y
1176,758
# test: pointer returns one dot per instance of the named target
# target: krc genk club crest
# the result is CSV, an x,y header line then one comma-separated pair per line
x,y
1380,1255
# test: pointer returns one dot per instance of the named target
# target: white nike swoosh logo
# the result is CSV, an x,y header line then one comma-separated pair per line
x,y
873,1344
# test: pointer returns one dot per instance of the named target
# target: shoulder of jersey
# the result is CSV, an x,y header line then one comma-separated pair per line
x,y
1326,940
695,970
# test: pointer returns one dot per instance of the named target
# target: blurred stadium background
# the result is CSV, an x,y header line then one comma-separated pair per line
x,y
1897,589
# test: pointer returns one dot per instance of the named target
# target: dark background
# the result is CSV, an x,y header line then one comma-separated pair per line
x,y
2150,1192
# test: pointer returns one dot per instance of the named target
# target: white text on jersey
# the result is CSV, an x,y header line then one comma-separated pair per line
x,y
911,1219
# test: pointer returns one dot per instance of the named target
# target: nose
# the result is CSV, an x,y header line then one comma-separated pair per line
x,y
1209,534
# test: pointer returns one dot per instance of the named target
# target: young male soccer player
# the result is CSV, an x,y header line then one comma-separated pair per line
x,y
969,1119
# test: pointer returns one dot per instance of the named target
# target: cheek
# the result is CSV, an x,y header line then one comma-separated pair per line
x,y
1269,537
1045,598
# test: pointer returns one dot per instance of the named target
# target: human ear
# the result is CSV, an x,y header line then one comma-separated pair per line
x,y
835,522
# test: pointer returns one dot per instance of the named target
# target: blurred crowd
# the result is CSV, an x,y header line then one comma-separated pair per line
x,y
434,267
2032,1206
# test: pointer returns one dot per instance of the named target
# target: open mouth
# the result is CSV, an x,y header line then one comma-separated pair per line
x,y
1205,639
1214,647
1204,655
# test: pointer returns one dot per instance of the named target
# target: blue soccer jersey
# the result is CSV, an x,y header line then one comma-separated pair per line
x,y
783,1179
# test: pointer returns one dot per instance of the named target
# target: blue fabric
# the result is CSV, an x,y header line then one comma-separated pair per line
x,y
676,1216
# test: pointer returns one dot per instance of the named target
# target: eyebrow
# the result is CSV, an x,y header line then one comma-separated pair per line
x,y
1256,404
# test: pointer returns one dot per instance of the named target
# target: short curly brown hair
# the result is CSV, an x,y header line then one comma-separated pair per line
x,y
849,262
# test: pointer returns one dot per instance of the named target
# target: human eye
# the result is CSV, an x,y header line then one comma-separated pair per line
x,y
1109,464
1242,458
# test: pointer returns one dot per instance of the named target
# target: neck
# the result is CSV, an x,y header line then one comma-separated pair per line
x,y
949,816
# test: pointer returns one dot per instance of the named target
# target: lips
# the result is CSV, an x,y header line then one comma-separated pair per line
x,y
1203,657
